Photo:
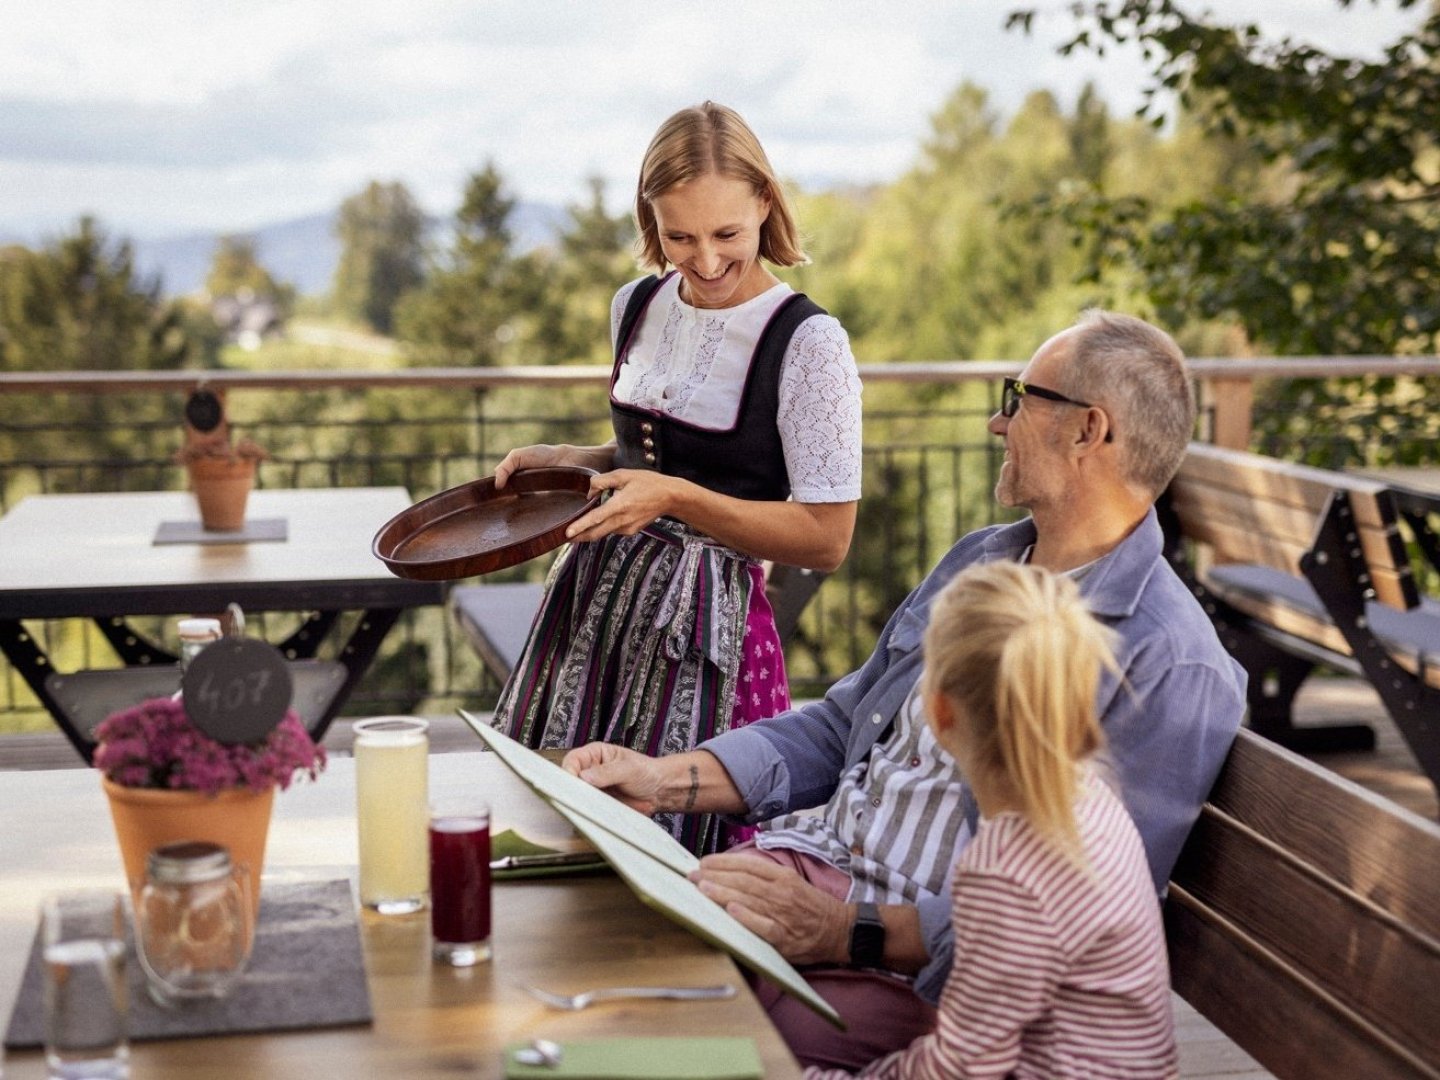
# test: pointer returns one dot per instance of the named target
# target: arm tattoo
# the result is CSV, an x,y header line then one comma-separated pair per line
x,y
694,788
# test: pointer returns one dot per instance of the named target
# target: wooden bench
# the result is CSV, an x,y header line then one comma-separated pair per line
x,y
496,618
1299,567
1303,920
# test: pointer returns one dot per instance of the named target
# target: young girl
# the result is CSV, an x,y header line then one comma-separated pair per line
x,y
1059,967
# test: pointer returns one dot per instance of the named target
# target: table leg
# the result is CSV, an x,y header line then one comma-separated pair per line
x,y
27,658
357,654
301,645
132,649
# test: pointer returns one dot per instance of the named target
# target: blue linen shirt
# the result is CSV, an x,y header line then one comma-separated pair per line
x,y
1168,726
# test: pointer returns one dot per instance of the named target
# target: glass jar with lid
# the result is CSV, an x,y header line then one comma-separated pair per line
x,y
194,635
193,928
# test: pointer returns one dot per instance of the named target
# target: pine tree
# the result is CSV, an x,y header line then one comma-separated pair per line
x,y
382,237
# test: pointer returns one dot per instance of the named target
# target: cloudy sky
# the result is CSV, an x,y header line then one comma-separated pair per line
x,y
167,116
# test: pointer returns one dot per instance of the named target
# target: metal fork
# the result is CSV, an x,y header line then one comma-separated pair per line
x,y
575,1002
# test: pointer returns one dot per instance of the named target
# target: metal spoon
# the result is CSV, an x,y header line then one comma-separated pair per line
x,y
540,1052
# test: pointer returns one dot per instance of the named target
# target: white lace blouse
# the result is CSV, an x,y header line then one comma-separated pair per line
x,y
691,363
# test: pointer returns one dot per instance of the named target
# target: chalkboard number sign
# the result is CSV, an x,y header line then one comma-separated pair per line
x,y
204,411
236,690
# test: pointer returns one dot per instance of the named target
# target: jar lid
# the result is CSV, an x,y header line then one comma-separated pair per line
x,y
188,862
199,629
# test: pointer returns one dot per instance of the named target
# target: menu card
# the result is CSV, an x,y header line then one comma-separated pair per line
x,y
650,861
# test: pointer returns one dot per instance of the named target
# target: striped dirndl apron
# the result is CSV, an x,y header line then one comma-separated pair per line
x,y
657,642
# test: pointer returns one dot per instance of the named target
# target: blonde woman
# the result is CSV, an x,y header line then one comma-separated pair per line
x,y
1059,967
736,409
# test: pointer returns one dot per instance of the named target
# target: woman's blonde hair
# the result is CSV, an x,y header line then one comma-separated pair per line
x,y
1018,656
711,138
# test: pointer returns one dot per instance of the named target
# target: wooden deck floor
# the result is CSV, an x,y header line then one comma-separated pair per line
x,y
1205,1053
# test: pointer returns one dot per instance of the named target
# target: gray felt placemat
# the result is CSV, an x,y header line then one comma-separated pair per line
x,y
192,532
306,970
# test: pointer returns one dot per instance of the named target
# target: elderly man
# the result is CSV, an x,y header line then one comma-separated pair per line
x,y
1094,429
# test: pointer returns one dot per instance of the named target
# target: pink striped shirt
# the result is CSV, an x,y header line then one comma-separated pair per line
x,y
1058,971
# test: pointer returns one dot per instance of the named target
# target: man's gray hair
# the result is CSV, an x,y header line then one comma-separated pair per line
x,y
1137,374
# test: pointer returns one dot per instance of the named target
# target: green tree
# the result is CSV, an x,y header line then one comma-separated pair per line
x,y
934,269
79,304
466,314
569,315
1335,250
235,270
382,252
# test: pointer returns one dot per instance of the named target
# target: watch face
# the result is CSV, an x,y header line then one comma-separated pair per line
x,y
867,938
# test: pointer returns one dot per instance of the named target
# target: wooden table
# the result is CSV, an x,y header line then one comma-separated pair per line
x,y
93,556
566,933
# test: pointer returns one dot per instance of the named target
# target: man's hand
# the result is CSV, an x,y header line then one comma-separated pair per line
x,y
691,783
631,777
805,925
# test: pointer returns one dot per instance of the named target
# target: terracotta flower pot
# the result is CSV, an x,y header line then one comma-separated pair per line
x,y
222,487
145,818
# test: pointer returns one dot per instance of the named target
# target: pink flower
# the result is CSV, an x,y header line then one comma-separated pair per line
x,y
154,745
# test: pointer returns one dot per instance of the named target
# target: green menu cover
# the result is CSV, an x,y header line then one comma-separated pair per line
x,y
650,861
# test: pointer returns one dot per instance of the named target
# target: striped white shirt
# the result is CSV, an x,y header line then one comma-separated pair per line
x,y
1059,972
897,820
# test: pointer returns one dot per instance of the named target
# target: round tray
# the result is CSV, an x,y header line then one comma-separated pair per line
x,y
476,529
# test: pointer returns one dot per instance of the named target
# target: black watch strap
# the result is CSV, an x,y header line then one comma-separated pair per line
x,y
867,937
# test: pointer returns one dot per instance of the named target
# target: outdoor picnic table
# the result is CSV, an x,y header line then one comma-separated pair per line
x,y
565,933
110,557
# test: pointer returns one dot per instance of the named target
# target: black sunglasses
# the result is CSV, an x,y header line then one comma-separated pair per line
x,y
1014,390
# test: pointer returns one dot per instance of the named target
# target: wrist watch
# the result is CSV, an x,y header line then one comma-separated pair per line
x,y
867,937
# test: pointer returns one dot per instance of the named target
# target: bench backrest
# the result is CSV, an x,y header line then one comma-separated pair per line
x,y
1303,919
1248,508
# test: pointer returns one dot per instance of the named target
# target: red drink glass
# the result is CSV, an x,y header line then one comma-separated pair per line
x,y
460,883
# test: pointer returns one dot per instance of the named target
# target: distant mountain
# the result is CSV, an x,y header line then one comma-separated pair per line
x,y
304,251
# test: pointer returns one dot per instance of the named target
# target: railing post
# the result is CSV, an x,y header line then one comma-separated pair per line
x,y
1230,403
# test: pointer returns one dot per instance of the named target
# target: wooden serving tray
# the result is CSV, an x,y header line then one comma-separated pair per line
x,y
477,529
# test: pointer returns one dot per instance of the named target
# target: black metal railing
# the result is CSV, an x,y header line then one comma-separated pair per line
x,y
929,471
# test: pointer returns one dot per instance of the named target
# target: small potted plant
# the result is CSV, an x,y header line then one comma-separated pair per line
x,y
168,781
221,472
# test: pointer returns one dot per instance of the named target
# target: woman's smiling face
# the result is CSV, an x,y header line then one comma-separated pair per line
x,y
709,228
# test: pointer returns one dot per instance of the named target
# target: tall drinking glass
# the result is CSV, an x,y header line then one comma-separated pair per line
x,y
460,881
391,758
82,938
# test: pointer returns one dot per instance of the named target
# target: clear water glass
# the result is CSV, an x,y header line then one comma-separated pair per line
x,y
87,1010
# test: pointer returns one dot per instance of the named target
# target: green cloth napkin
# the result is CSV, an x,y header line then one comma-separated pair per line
x,y
660,1058
510,842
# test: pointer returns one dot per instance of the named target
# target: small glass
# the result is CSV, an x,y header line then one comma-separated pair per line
x,y
87,1008
193,926
460,882
391,770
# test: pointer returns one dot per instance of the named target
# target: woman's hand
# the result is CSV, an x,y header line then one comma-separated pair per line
x,y
637,497
544,456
